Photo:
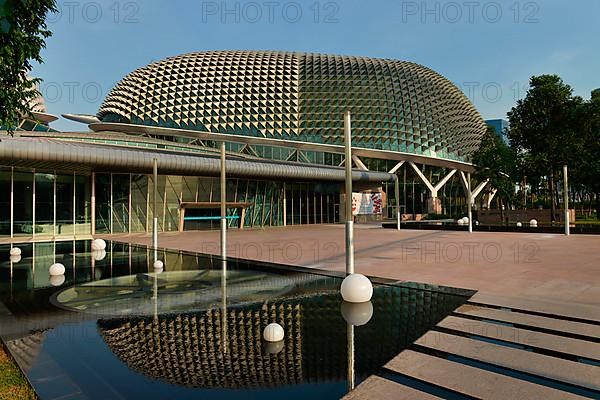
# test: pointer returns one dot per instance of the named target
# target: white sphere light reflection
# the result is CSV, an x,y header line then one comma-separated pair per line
x,y
57,280
15,258
460,221
98,254
533,223
158,265
57,269
357,314
15,251
273,333
273,347
356,288
519,224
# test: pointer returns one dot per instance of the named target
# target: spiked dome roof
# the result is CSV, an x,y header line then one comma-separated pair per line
x,y
395,105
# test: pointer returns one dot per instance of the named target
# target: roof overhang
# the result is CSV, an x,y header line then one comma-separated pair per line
x,y
58,154
295,144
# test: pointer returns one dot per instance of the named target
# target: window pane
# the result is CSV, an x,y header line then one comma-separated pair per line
x,y
44,204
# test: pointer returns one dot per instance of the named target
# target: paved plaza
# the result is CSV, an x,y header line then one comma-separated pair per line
x,y
561,272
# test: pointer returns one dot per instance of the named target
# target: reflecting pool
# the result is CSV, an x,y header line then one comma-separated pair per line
x,y
113,327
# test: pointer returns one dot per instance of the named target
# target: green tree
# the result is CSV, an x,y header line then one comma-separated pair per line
x,y
496,161
587,168
23,32
543,128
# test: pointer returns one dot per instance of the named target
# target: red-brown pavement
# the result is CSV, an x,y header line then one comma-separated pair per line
x,y
551,268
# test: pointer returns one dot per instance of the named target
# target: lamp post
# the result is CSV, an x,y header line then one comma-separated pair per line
x,y
223,204
348,212
154,214
223,251
355,288
566,197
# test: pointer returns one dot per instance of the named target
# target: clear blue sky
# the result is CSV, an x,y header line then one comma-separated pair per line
x,y
488,48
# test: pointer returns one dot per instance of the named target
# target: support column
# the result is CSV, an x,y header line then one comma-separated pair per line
x,y
434,204
397,194
566,198
348,202
469,202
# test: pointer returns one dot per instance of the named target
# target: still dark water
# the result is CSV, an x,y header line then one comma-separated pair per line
x,y
113,328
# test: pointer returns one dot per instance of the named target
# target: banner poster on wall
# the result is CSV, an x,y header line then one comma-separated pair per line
x,y
367,203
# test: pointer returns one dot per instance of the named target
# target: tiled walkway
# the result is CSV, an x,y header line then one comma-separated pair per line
x,y
494,352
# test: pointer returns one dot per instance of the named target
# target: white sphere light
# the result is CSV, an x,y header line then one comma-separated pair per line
x,y
357,314
57,280
57,269
158,265
356,288
98,244
273,333
476,222
465,220
519,224
533,223
15,251
15,258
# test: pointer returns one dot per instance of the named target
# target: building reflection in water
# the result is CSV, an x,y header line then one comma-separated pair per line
x,y
199,323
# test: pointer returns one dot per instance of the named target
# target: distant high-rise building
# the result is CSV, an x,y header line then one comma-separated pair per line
x,y
500,126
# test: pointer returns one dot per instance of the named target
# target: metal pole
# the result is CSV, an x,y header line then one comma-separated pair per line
x,y
397,193
348,213
285,205
223,204
12,203
93,210
223,251
566,196
470,201
154,215
54,206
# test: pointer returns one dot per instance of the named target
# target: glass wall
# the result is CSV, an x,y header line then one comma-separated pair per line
x,y
55,203
139,203
103,201
45,203
23,203
65,203
5,189
83,204
120,203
